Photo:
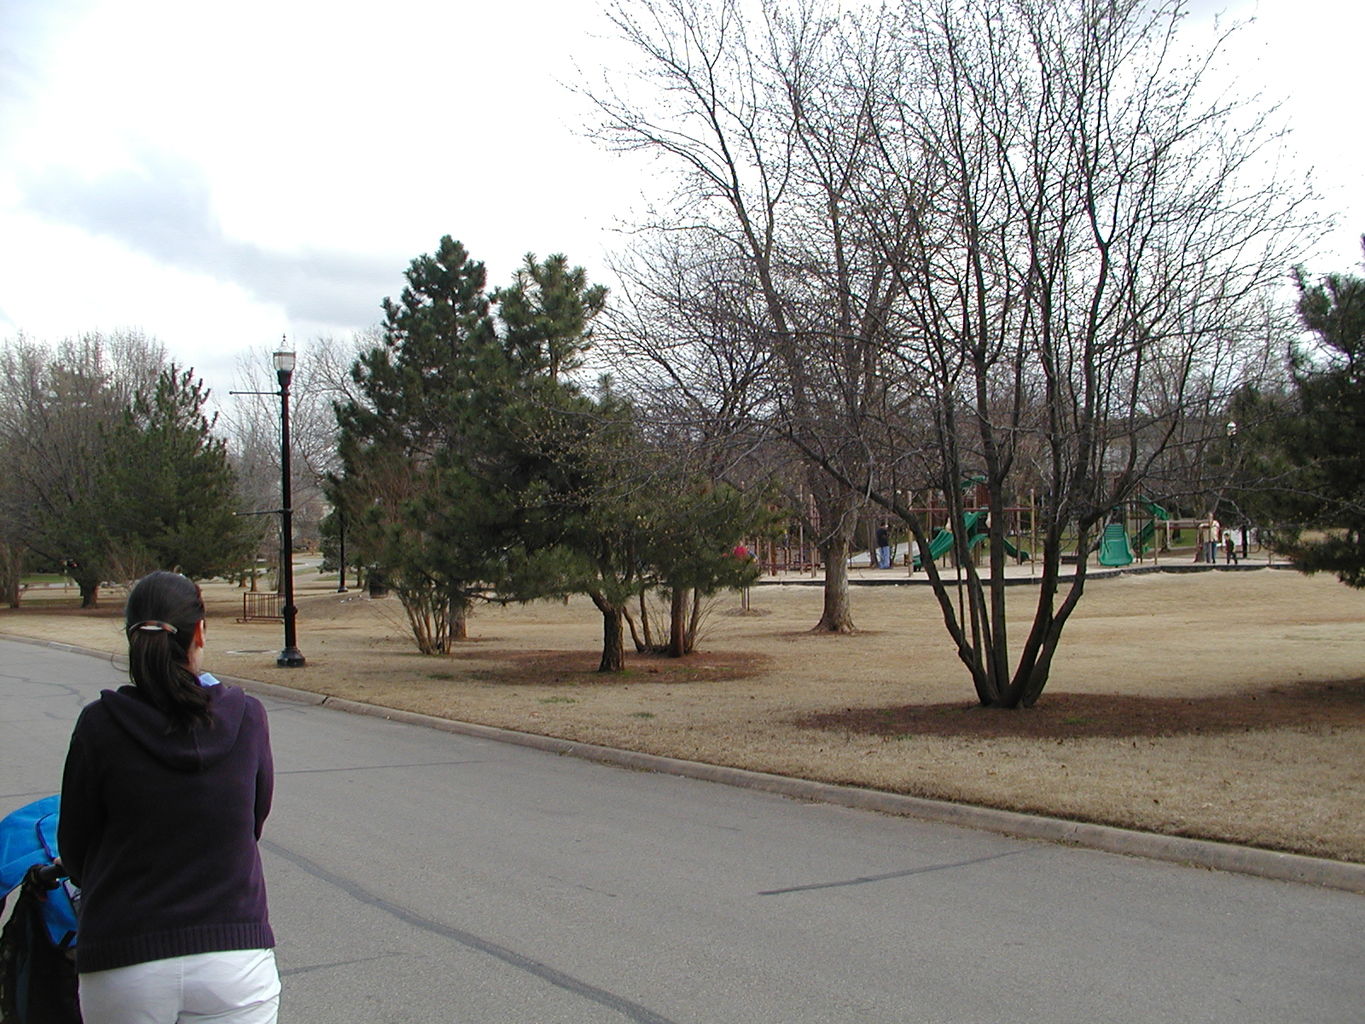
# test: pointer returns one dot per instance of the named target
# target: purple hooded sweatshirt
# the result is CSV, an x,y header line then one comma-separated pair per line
x,y
159,826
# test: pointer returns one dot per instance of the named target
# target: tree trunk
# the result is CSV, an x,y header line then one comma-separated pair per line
x,y
643,636
677,622
636,636
694,622
613,641
430,615
838,614
90,592
835,502
13,561
613,633
459,621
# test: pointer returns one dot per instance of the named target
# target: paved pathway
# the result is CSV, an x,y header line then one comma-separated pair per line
x,y
422,876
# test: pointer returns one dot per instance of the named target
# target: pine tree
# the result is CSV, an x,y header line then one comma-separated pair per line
x,y
546,313
167,488
1325,441
59,406
410,448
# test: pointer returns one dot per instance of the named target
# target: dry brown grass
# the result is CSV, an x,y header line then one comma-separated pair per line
x,y
1222,705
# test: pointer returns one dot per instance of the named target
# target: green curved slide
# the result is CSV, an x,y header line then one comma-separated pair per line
x,y
974,525
1142,540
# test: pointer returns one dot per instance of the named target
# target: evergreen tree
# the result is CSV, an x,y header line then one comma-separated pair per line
x,y
1306,454
695,532
587,508
546,313
602,512
167,488
621,518
409,447
474,465
57,410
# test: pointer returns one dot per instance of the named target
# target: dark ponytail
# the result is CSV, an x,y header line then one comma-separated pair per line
x,y
163,609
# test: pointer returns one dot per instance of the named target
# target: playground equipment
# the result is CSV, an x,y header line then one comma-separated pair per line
x,y
941,542
1114,547
1142,540
974,529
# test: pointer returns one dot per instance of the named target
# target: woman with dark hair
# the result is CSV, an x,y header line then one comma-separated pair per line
x,y
168,782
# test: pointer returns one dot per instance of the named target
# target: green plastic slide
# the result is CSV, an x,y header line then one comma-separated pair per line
x,y
939,545
1114,548
1142,540
974,525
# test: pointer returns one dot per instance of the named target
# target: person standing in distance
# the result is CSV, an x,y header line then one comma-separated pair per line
x,y
167,785
884,546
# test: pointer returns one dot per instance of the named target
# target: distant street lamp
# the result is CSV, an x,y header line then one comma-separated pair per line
x,y
290,656
1232,440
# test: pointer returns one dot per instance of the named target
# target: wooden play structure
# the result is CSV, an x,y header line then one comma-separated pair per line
x,y
1143,529
795,551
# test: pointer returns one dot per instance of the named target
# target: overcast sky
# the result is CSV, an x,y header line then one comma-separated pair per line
x,y
221,175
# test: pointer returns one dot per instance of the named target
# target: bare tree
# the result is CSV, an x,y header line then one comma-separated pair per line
x,y
685,336
1093,241
767,128
252,423
56,408
1009,241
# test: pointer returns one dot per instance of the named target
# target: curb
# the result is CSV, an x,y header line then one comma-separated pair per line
x,y
1247,860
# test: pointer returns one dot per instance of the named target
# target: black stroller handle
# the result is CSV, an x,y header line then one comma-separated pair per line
x,y
49,876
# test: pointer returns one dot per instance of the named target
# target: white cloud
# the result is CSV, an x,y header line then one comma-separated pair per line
x,y
221,174
1304,58
281,162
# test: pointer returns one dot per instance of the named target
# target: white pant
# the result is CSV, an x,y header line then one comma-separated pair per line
x,y
240,986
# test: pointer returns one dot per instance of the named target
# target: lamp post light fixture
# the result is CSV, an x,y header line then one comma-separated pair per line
x,y
1232,440
290,656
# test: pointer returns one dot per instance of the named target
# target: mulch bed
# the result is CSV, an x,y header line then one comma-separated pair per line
x,y
1059,716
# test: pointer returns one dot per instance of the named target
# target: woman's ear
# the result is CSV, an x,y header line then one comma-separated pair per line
x,y
198,638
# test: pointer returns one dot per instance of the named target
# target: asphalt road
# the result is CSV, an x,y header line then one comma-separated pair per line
x,y
421,876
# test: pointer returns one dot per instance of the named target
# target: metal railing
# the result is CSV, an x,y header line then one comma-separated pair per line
x,y
261,606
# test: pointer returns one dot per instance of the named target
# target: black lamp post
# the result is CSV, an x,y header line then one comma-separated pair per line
x,y
290,656
1232,440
